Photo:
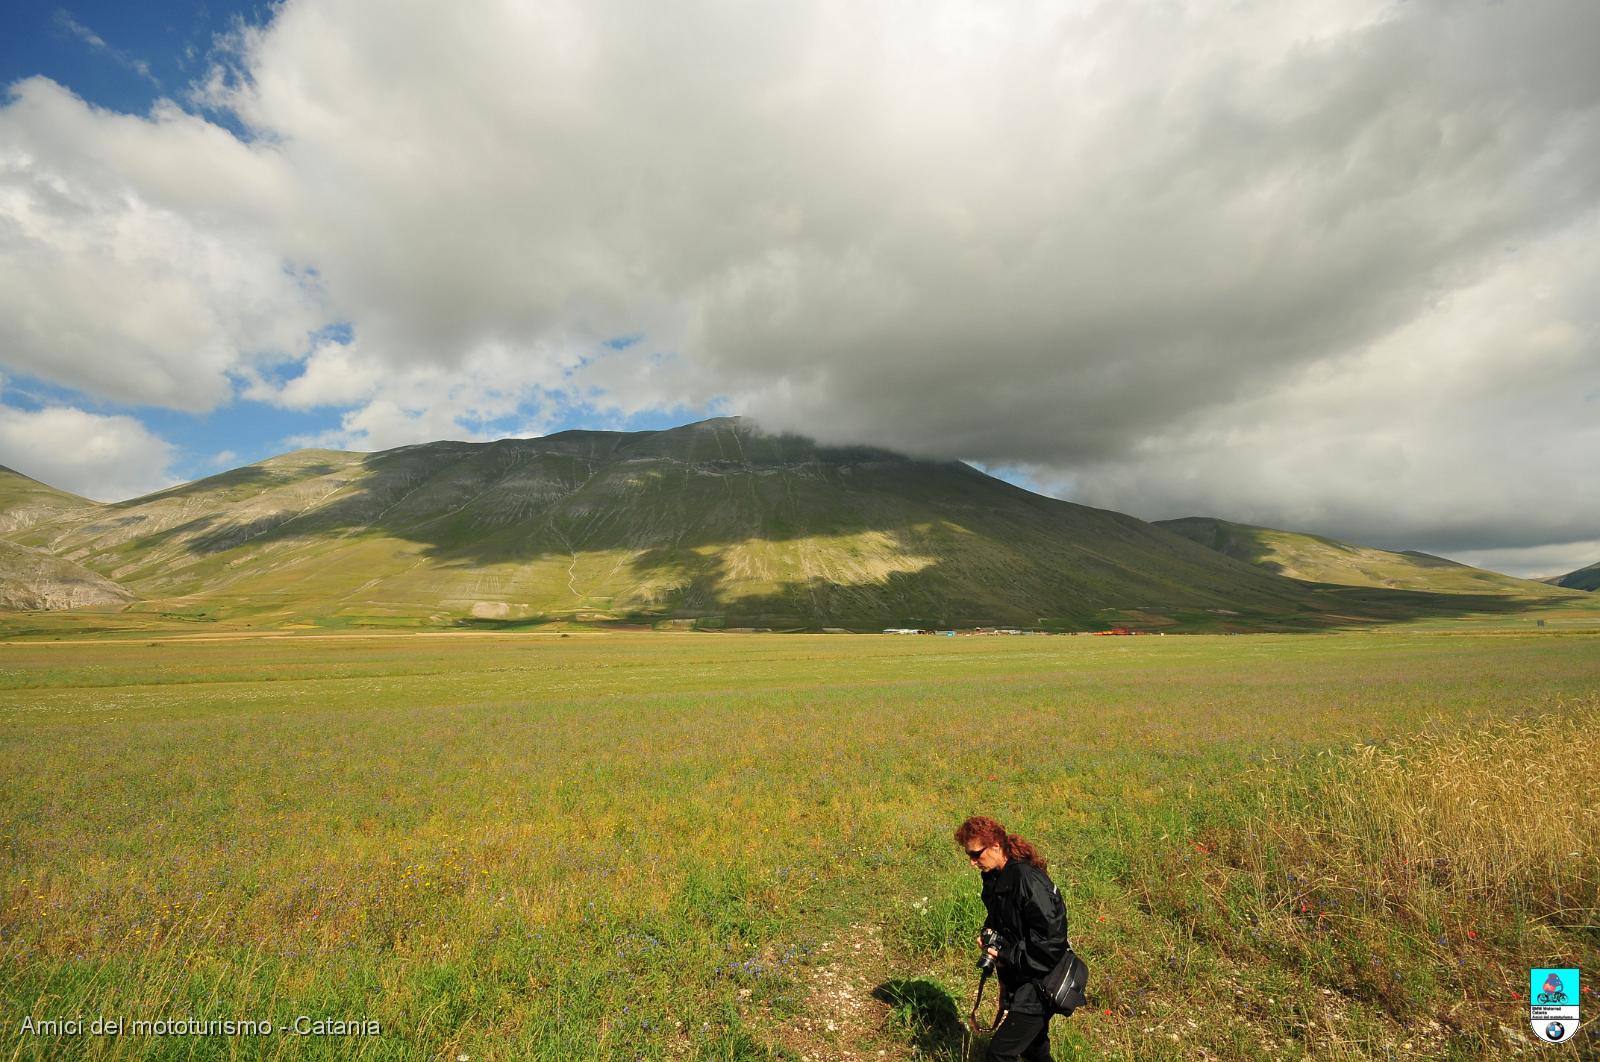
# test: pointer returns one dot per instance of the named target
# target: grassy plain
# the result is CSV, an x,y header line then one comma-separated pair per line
x,y
529,846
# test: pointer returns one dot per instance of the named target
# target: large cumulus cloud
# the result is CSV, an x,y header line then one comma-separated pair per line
x,y
1318,265
106,458
138,258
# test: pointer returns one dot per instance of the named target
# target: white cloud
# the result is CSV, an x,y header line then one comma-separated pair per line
x,y
488,396
132,262
1238,257
335,374
98,44
106,458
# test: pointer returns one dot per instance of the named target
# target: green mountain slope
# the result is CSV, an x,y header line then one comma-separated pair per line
x,y
1582,579
25,502
1326,560
713,522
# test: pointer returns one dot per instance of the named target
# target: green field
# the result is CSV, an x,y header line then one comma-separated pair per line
x,y
718,846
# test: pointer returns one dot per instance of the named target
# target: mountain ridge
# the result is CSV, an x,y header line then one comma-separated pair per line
x,y
1321,559
1585,578
711,524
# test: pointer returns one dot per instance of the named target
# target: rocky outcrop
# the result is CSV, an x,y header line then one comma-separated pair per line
x,y
31,580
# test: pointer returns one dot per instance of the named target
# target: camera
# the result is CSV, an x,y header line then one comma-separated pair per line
x,y
990,939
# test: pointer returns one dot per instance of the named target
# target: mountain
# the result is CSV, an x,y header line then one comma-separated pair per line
x,y
714,523
25,502
1325,560
31,579
1582,579
34,579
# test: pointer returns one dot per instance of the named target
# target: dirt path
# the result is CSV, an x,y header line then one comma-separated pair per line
x,y
859,1008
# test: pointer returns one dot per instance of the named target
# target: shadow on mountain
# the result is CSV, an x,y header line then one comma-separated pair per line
x,y
190,530
915,600
231,535
943,596
924,543
1348,606
1240,541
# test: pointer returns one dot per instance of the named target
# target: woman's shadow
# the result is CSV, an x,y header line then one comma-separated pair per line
x,y
925,1010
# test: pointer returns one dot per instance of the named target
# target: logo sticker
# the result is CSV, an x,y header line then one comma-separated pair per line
x,y
1553,1003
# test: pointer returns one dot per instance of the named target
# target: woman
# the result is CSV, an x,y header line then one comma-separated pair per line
x,y
1026,909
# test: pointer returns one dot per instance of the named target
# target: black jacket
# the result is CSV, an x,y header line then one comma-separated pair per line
x,y
1027,910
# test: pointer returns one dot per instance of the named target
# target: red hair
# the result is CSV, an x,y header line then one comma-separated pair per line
x,y
986,831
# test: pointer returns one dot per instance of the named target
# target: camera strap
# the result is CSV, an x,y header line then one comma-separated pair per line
x,y
972,1019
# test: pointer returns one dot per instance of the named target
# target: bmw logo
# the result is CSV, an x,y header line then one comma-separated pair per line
x,y
1554,1031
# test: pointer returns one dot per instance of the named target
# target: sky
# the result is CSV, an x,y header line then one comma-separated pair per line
x,y
1326,267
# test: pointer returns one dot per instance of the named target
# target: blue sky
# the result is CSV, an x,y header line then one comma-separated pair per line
x,y
1340,281
117,55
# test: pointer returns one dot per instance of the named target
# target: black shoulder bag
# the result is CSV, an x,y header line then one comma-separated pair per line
x,y
1063,986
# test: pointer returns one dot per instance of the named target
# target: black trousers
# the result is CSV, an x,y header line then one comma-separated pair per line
x,y
1021,1037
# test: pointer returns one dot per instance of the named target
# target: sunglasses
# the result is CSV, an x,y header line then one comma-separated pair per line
x,y
974,855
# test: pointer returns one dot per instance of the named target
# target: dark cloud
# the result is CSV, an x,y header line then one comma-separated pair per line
x,y
1322,266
